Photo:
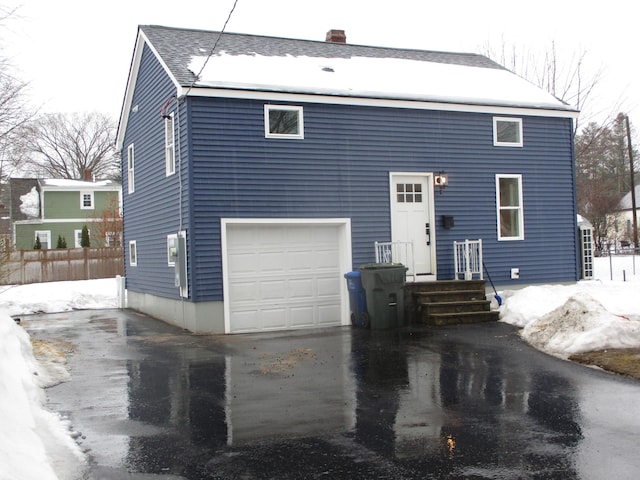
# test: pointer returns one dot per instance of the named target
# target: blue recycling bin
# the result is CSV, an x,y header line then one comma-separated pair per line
x,y
357,300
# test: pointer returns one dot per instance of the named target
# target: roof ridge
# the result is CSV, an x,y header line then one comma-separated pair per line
x,y
321,42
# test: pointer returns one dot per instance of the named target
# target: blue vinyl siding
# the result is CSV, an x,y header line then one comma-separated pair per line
x,y
151,212
340,169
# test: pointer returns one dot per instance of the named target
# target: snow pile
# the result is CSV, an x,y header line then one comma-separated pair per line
x,y
34,443
580,325
589,315
30,203
59,296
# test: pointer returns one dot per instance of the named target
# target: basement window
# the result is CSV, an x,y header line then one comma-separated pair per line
x,y
283,121
507,132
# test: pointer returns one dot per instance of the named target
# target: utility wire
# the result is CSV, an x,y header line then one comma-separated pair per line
x,y
213,49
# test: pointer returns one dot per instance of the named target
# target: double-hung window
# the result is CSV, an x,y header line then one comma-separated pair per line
x,y
283,121
45,238
86,201
131,169
509,207
169,145
507,132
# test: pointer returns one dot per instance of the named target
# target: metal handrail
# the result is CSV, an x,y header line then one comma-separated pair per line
x,y
468,259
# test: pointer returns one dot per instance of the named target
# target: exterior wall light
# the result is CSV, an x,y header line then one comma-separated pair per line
x,y
441,180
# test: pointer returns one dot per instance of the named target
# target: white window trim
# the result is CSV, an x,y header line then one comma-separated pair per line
x,y
133,260
495,132
268,134
520,207
82,205
77,236
131,164
45,233
170,148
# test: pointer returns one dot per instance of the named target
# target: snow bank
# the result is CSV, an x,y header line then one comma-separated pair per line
x,y
580,325
589,315
56,297
34,443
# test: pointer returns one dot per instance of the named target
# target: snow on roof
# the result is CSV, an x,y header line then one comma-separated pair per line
x,y
64,182
371,77
30,203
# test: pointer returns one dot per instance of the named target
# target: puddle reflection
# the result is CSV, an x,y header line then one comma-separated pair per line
x,y
377,403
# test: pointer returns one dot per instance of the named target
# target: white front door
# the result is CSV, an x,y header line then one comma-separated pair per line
x,y
412,220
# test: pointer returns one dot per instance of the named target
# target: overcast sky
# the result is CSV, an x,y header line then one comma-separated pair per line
x,y
76,53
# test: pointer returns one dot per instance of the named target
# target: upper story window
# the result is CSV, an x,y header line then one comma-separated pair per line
x,y
169,145
507,132
86,201
281,121
509,207
131,169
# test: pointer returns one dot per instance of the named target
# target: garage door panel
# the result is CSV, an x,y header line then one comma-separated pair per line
x,y
301,289
327,314
242,263
273,318
245,320
270,261
327,287
283,276
302,316
244,291
272,290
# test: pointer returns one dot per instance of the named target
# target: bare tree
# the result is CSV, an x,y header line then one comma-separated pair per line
x,y
569,78
15,111
107,225
66,145
602,175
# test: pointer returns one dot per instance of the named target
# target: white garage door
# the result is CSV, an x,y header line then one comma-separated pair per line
x,y
284,276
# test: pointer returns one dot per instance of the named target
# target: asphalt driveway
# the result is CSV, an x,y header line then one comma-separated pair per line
x,y
153,401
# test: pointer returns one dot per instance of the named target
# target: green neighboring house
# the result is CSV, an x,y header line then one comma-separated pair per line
x,y
52,208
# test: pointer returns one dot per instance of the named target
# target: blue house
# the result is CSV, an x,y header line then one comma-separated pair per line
x,y
257,171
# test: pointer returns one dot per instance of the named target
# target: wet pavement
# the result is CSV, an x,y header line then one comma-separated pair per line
x,y
154,402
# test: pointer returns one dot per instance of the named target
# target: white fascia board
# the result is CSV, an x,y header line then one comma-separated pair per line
x,y
81,188
417,104
47,221
141,41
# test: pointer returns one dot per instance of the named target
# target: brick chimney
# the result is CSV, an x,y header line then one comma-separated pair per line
x,y
336,36
87,175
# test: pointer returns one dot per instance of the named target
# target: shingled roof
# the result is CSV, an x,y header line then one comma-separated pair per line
x,y
177,46
333,72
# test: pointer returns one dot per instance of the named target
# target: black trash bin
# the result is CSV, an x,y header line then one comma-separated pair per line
x,y
383,284
357,300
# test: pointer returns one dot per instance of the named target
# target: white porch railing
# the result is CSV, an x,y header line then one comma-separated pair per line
x,y
396,252
468,259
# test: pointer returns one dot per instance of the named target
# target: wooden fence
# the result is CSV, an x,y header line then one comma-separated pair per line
x,y
60,264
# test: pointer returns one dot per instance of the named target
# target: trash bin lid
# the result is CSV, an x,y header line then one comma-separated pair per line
x,y
381,266
354,274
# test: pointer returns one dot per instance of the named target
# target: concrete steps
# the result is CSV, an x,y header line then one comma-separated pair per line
x,y
449,302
